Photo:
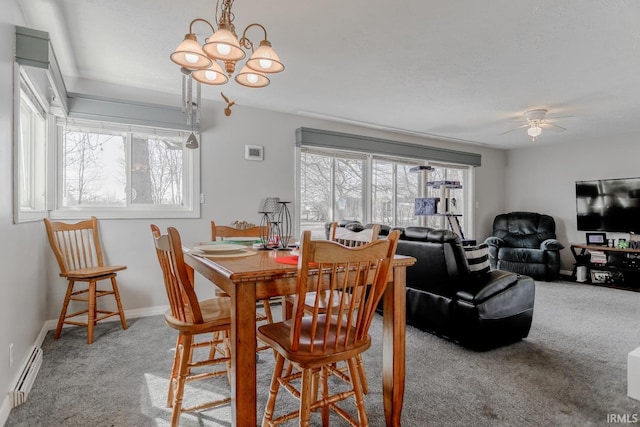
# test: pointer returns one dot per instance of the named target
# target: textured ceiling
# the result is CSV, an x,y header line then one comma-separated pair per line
x,y
459,70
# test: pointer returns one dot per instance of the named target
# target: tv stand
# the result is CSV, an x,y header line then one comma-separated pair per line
x,y
621,268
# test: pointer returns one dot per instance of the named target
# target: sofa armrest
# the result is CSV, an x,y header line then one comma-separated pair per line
x,y
551,245
480,289
495,242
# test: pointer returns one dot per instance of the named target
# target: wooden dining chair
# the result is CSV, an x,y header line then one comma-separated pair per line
x,y
350,239
79,254
191,318
313,341
222,232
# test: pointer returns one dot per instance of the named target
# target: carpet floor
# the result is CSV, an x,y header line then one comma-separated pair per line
x,y
570,371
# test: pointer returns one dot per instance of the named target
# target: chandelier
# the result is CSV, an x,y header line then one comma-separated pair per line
x,y
201,62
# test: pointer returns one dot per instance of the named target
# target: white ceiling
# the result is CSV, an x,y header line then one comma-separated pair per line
x,y
458,70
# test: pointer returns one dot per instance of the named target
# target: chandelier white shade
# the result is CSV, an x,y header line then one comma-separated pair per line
x,y
265,59
223,45
212,75
189,54
251,78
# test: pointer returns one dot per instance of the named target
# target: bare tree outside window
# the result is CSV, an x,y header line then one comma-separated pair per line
x,y
156,171
93,169
315,203
337,185
348,189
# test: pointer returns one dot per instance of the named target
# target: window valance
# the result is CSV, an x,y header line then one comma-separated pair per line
x,y
309,137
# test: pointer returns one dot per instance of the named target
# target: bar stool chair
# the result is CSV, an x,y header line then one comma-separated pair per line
x,y
79,254
312,341
191,318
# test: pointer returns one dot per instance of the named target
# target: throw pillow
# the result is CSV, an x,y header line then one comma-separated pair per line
x,y
478,258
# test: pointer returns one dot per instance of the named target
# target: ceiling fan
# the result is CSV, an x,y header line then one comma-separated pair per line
x,y
535,121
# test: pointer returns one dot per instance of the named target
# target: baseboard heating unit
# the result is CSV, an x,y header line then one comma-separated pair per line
x,y
25,381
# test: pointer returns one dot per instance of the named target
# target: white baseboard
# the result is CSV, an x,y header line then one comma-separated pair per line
x,y
49,325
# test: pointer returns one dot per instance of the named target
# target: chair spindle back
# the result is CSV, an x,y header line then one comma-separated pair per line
x,y
76,246
351,238
225,231
327,267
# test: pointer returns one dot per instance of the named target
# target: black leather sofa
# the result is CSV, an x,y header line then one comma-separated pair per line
x,y
479,311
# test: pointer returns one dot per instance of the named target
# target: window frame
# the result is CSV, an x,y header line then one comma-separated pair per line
x,y
190,176
39,151
468,192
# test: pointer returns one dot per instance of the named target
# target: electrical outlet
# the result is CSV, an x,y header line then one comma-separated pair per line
x,y
10,355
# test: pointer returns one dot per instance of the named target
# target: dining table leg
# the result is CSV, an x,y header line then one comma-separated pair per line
x,y
243,356
393,347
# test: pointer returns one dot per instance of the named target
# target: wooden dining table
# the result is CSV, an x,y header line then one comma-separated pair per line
x,y
248,279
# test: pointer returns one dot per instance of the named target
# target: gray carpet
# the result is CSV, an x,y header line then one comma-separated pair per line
x,y
570,371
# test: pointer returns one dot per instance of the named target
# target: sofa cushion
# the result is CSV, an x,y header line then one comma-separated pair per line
x,y
478,259
522,255
435,269
354,226
495,282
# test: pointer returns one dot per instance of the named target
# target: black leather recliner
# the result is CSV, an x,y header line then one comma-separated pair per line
x,y
480,311
525,243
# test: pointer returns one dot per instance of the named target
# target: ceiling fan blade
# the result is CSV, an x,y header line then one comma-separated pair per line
x,y
553,127
511,130
553,119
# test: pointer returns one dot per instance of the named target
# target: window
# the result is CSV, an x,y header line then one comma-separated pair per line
x,y
116,171
337,185
394,190
30,155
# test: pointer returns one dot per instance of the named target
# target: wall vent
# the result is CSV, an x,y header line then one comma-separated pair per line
x,y
23,386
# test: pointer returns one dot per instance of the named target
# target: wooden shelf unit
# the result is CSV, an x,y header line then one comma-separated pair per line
x,y
626,275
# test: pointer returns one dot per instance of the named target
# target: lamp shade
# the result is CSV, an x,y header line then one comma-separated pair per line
x,y
251,78
223,45
271,205
189,54
265,59
211,76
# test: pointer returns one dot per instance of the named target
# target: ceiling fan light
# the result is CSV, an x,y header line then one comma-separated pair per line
x,y
251,78
534,131
189,54
223,45
265,59
211,76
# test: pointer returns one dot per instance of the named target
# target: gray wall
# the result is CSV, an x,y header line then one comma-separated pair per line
x,y
23,251
542,179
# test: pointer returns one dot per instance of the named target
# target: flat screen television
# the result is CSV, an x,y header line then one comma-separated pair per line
x,y
608,205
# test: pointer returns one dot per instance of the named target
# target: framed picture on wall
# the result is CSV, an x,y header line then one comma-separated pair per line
x,y
598,239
